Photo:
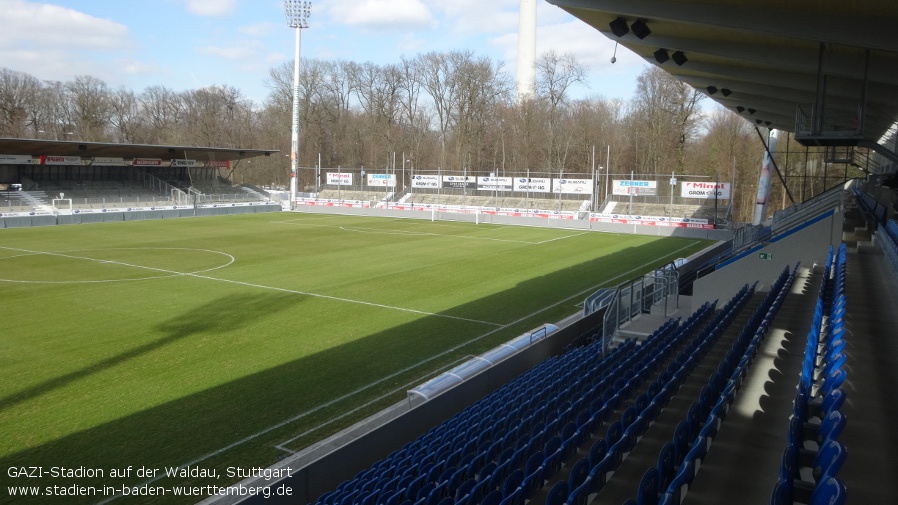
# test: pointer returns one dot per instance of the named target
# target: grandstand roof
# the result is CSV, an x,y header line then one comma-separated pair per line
x,y
767,58
36,147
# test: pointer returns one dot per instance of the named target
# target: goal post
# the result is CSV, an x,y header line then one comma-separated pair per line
x,y
62,204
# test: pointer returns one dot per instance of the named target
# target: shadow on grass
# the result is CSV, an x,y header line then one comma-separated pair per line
x,y
181,430
218,315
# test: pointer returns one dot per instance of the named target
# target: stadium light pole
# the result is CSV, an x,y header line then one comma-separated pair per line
x,y
297,14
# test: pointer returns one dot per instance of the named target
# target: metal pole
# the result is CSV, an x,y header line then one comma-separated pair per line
x,y
297,14
607,171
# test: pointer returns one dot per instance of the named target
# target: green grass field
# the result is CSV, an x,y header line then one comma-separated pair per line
x,y
215,341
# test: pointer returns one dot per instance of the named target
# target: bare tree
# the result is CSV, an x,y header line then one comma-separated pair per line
x,y
555,75
88,107
17,93
163,112
665,115
124,116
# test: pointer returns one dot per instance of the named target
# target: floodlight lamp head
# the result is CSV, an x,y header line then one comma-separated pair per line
x,y
297,13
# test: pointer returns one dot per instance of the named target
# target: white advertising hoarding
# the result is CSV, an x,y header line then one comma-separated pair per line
x,y
705,190
382,180
339,178
15,159
459,181
533,184
107,161
495,183
426,181
572,186
636,188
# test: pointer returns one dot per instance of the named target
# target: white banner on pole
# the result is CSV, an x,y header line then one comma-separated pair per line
x,y
426,181
705,190
339,178
572,186
636,188
494,183
382,180
533,184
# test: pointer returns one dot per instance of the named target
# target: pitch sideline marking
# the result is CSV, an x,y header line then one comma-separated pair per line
x,y
174,273
388,377
425,234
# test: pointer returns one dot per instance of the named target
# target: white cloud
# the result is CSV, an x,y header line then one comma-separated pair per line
x,y
380,14
55,43
235,52
212,8
259,29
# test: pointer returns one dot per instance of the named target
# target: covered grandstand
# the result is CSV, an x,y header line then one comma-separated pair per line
x,y
45,179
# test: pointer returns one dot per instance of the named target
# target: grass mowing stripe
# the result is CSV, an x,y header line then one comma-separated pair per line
x,y
211,364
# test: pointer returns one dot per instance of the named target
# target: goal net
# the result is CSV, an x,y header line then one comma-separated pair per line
x,y
62,204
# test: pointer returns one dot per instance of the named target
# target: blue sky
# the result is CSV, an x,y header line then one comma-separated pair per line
x,y
189,44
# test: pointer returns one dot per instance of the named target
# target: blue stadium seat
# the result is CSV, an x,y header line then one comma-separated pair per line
x,y
579,473
597,452
666,465
493,498
580,494
830,491
829,460
558,494
464,489
647,492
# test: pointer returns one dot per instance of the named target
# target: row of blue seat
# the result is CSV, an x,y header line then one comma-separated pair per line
x,y
658,478
507,446
589,475
543,418
813,454
722,389
552,408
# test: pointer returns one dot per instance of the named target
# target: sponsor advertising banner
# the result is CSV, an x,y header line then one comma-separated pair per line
x,y
572,186
339,178
219,163
60,160
677,222
15,159
183,163
495,183
635,188
459,181
533,184
426,181
147,162
705,190
382,180
106,161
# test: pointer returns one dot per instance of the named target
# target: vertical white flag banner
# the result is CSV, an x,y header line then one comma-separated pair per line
x,y
764,181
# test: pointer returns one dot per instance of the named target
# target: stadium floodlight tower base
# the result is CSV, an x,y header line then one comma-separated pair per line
x,y
297,13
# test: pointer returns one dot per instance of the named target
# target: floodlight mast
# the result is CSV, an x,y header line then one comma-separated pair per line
x,y
297,14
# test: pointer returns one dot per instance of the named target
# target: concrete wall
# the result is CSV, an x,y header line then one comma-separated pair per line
x,y
808,244
576,224
106,217
324,466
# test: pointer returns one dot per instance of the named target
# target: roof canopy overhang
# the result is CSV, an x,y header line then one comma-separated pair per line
x,y
36,147
822,68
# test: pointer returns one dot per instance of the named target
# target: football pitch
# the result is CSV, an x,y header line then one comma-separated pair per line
x,y
239,340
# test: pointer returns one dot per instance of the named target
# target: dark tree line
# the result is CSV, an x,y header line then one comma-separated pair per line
x,y
452,111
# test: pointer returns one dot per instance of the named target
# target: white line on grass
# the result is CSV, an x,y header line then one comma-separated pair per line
x,y
381,231
259,286
388,377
